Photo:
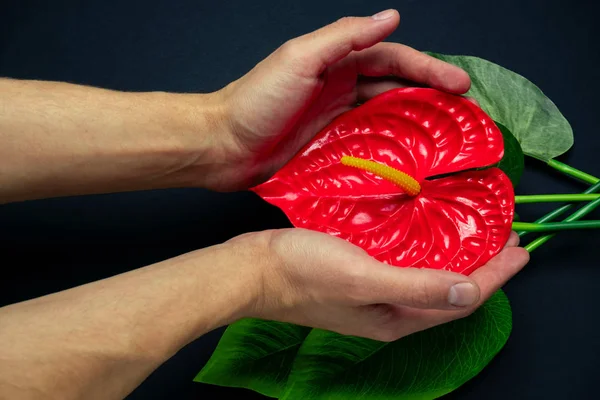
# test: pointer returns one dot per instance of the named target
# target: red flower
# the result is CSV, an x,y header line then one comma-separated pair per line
x,y
455,222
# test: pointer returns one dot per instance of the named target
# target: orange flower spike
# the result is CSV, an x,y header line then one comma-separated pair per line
x,y
403,180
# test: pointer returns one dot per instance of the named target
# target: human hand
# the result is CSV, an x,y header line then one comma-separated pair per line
x,y
317,280
295,92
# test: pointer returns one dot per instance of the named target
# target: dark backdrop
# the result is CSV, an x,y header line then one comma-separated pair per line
x,y
196,45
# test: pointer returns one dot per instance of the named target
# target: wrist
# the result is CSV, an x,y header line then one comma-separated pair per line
x,y
197,137
272,292
215,287
212,156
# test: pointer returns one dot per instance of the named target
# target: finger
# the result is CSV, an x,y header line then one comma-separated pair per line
x,y
388,322
376,321
513,240
369,88
417,288
405,62
315,51
490,278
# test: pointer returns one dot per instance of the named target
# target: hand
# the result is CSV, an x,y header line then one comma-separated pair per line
x,y
317,280
295,92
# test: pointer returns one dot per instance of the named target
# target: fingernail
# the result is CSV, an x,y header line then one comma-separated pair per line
x,y
383,15
463,294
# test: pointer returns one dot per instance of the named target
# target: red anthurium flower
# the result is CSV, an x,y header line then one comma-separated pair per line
x,y
398,176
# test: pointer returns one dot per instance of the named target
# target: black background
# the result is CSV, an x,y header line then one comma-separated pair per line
x,y
196,45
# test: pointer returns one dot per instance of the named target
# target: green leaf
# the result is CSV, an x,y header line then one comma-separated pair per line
x,y
425,365
254,354
518,104
513,162
262,356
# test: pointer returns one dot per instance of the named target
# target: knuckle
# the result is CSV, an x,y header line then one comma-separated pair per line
x,y
345,21
354,285
429,68
290,49
422,295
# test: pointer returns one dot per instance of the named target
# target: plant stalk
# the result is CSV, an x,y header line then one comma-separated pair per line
x,y
573,172
561,210
582,212
549,198
556,226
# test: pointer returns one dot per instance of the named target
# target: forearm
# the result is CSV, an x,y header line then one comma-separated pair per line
x,y
101,340
60,139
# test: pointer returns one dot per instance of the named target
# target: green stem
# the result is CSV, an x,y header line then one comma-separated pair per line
x,y
555,226
548,198
582,212
573,172
560,211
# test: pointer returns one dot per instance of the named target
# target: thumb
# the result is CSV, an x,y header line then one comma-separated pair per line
x,y
419,288
319,49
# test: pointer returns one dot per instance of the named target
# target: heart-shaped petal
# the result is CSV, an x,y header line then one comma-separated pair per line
x,y
422,132
456,223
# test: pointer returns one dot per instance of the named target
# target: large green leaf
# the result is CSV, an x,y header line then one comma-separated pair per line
x,y
259,355
254,354
513,162
518,104
422,366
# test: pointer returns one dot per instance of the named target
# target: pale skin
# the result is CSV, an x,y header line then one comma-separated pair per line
x,y
102,339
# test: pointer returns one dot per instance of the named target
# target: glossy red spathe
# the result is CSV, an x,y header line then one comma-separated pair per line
x,y
457,222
